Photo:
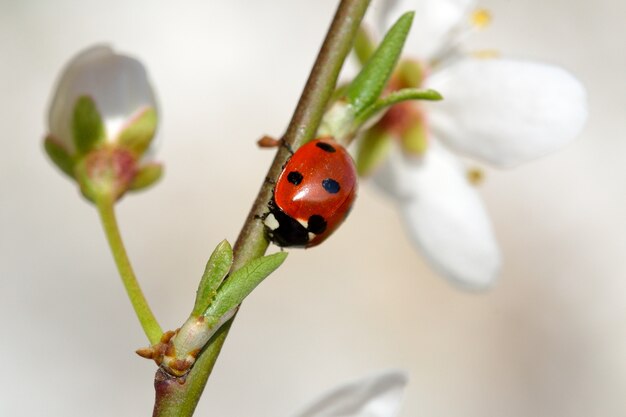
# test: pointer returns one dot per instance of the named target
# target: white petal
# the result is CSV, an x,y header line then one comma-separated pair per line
x,y
374,396
434,23
445,218
396,177
118,84
507,112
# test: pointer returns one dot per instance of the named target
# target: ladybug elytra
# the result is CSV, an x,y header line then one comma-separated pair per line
x,y
313,194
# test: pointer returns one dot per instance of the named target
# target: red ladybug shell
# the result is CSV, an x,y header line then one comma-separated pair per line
x,y
316,188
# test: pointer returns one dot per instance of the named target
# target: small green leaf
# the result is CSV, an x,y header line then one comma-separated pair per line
x,y
371,81
147,176
59,155
374,146
363,46
87,126
139,132
337,121
216,269
394,98
241,283
339,93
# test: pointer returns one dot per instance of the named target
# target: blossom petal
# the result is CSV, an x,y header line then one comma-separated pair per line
x,y
396,177
507,112
374,396
434,23
118,84
444,215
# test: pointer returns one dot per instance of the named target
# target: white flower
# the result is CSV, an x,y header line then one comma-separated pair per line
x,y
373,396
499,111
117,83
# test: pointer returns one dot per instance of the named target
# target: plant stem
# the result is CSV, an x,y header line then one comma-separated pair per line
x,y
251,242
174,398
140,304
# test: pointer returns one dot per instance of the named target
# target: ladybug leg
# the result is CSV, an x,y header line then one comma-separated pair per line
x,y
270,205
270,181
262,217
286,146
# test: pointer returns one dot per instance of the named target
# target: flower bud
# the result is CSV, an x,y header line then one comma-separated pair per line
x,y
102,121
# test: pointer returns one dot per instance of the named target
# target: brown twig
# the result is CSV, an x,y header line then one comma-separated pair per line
x,y
176,397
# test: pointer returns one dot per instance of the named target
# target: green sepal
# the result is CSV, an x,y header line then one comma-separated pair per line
x,y
91,190
146,176
59,156
241,283
414,140
410,74
394,98
373,148
363,46
217,268
87,127
369,84
138,133
105,173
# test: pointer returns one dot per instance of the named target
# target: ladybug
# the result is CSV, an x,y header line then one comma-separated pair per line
x,y
313,194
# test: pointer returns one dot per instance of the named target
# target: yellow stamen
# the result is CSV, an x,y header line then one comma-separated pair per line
x,y
475,176
481,18
486,54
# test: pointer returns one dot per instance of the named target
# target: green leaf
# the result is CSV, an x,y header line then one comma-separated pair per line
x,y
338,121
241,283
374,146
87,127
147,176
59,155
339,93
138,134
363,46
216,269
371,81
395,98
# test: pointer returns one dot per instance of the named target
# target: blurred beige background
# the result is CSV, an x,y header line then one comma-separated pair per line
x,y
548,340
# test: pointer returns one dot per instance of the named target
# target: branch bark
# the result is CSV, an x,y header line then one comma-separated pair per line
x,y
175,397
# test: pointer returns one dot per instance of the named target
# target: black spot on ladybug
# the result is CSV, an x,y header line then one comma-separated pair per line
x,y
294,177
325,147
316,224
331,185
